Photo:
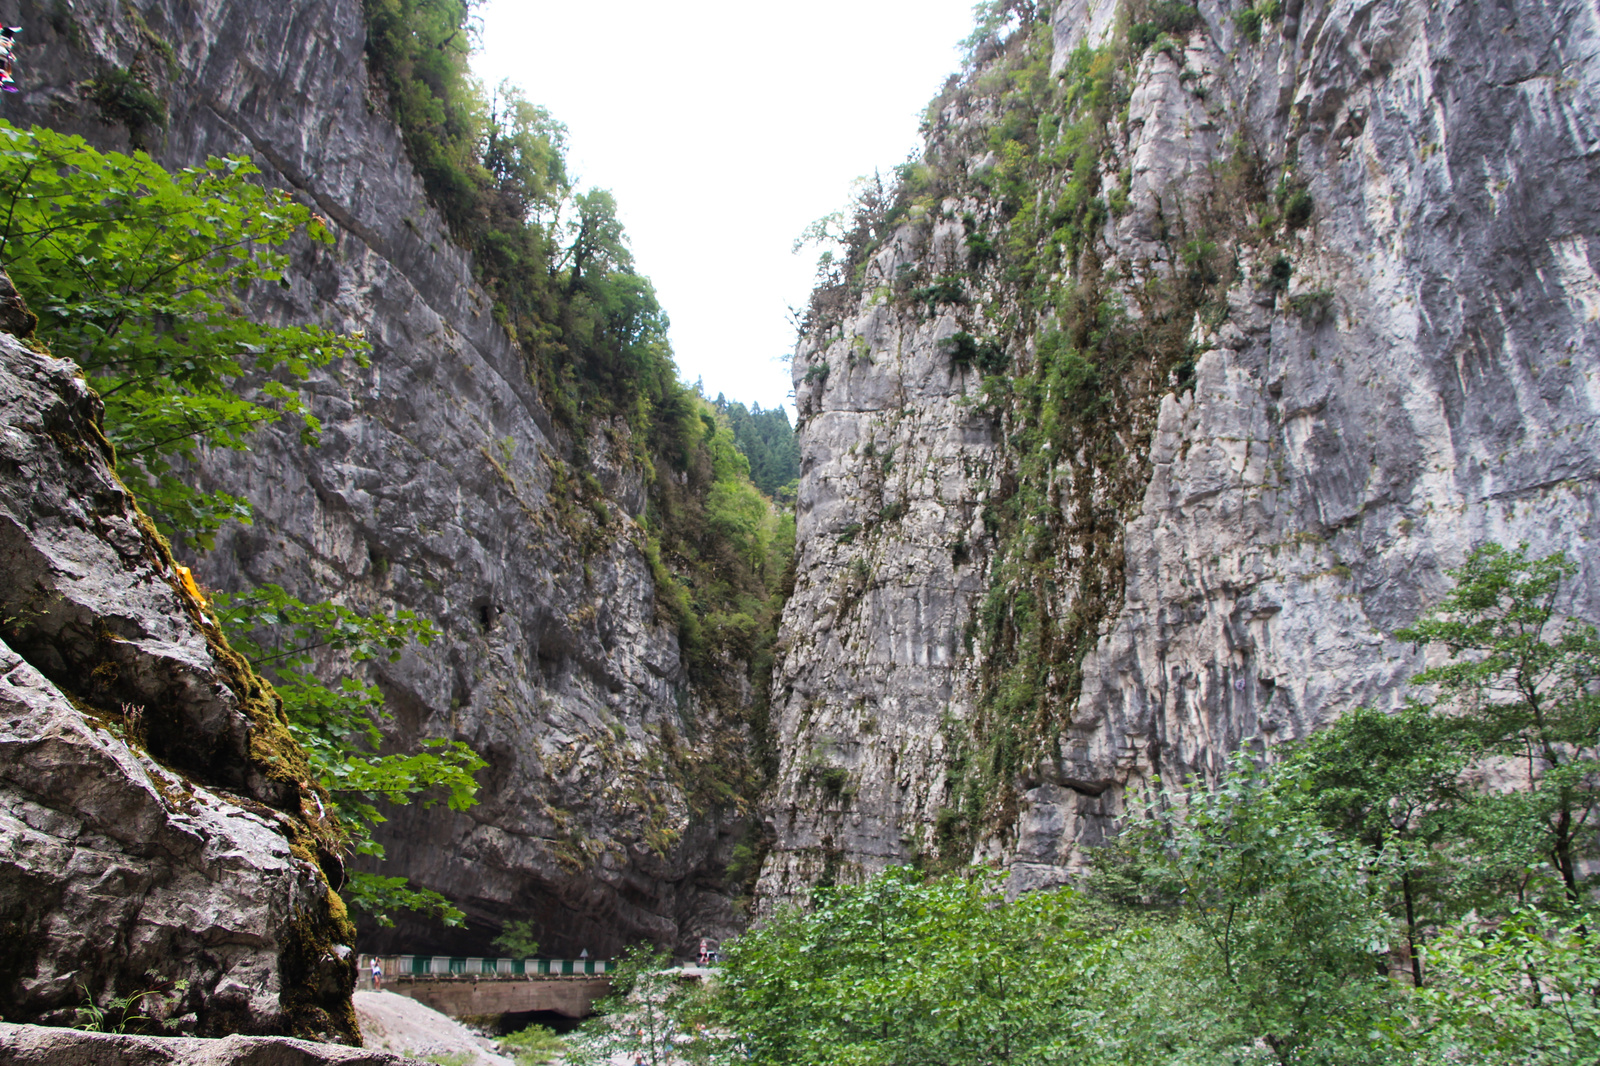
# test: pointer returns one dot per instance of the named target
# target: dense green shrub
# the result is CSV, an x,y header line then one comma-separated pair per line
x,y
125,99
1366,900
1149,20
967,352
1297,207
1250,20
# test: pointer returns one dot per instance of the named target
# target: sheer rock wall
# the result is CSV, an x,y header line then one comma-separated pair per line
x,y
433,489
1429,380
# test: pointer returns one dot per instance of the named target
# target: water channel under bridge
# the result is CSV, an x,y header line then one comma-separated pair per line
x,y
462,985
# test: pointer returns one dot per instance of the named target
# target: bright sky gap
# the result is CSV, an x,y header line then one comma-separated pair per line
x,y
723,129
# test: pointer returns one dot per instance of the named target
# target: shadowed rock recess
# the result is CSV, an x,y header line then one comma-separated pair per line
x,y
1194,350
440,485
157,829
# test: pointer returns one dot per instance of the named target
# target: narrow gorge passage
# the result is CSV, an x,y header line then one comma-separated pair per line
x,y
377,584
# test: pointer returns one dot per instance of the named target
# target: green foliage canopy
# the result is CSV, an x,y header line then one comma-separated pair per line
x,y
768,441
1392,783
517,939
903,970
1527,681
139,275
1525,992
1275,911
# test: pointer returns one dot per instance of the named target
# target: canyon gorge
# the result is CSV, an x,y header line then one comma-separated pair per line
x,y
1135,415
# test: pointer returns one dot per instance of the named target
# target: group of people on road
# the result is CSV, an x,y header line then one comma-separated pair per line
x,y
8,57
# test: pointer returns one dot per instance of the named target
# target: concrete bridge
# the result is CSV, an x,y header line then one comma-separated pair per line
x,y
461,986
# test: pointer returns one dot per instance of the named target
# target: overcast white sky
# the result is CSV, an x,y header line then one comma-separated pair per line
x,y
724,128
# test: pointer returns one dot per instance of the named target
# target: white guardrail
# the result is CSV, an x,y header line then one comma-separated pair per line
x,y
446,965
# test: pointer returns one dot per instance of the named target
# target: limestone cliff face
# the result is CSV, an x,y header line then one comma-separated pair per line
x,y
158,831
1389,358
440,485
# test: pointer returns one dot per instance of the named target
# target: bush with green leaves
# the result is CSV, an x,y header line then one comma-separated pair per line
x,y
517,939
1271,966
1363,898
337,720
905,969
1523,991
142,277
1275,914
1392,783
534,1046
124,98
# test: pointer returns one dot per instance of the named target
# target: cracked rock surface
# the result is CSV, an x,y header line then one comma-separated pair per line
x,y
146,842
1429,380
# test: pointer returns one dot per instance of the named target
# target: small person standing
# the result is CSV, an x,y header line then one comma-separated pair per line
x,y
377,975
8,57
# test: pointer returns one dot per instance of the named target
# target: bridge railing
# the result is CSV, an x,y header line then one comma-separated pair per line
x,y
445,965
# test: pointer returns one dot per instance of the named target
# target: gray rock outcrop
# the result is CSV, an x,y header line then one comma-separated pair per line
x,y
440,486
1408,370
159,837
32,1045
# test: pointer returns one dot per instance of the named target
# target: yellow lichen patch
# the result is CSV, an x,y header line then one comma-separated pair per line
x,y
187,581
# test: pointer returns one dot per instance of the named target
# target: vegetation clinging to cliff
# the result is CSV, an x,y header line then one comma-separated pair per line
x,y
1072,346
553,258
556,263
